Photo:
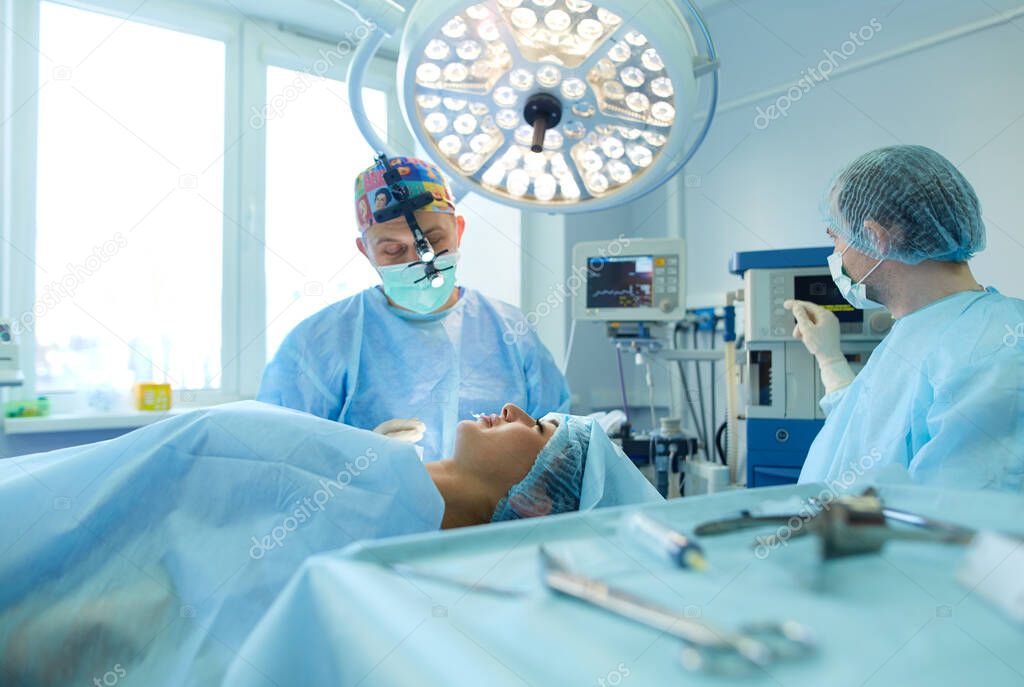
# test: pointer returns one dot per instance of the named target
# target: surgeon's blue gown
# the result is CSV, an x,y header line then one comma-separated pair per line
x,y
361,361
151,556
941,397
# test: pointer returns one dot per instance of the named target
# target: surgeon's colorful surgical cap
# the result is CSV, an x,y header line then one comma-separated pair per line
x,y
418,176
555,481
924,205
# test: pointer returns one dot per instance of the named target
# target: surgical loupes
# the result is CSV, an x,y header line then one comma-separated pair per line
x,y
407,206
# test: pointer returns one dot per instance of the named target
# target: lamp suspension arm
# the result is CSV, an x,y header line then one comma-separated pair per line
x,y
386,16
382,18
364,52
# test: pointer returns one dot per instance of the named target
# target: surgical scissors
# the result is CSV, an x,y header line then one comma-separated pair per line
x,y
708,648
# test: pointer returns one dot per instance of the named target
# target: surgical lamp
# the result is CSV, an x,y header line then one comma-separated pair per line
x,y
553,105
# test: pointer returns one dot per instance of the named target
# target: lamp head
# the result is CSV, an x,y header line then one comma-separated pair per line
x,y
558,105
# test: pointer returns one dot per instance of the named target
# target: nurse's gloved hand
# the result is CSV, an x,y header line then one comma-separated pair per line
x,y
818,328
408,430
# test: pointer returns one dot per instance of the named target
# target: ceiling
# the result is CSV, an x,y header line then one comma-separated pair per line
x,y
328,20
324,19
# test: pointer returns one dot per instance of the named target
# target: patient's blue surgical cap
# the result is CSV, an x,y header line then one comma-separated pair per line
x,y
555,481
579,468
923,202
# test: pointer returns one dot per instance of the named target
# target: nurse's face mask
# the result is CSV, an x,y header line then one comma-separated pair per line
x,y
856,294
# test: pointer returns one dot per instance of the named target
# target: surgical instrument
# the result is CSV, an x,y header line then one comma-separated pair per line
x,y
664,542
847,526
404,570
708,648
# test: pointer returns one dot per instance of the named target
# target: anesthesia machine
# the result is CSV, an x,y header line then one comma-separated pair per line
x,y
783,381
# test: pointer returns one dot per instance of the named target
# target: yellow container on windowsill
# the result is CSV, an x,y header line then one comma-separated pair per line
x,y
152,396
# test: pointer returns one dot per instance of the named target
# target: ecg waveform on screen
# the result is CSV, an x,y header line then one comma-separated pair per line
x,y
629,297
619,284
615,292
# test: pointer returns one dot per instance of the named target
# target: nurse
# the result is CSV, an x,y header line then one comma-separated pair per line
x,y
943,395
412,358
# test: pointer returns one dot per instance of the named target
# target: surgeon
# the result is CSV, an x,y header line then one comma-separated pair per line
x,y
414,356
942,397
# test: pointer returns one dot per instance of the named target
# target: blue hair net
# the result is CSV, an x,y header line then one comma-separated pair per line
x,y
579,468
923,202
555,481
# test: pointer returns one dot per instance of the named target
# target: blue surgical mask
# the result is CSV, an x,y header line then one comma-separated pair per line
x,y
407,286
855,294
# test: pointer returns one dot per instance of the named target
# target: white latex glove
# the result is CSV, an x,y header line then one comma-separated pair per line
x,y
818,328
408,430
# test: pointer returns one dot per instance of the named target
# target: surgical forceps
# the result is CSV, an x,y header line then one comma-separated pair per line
x,y
707,648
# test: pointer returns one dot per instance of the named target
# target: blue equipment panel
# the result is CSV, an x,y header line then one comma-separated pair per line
x,y
779,259
777,448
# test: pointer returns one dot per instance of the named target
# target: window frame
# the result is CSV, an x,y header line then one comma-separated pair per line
x,y
251,46
275,48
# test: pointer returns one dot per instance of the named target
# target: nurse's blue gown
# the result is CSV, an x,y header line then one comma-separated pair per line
x,y
942,397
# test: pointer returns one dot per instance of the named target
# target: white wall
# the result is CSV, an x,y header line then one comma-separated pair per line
x,y
760,189
491,248
546,267
751,189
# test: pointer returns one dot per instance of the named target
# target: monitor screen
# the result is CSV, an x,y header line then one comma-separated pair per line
x,y
621,282
823,291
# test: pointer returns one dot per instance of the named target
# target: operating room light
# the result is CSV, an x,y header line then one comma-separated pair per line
x,y
560,105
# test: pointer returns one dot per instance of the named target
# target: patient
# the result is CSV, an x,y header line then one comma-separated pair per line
x,y
512,466
156,553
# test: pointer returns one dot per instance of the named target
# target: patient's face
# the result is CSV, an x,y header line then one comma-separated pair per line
x,y
502,448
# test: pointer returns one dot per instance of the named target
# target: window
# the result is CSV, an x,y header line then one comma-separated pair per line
x,y
314,152
129,182
132,228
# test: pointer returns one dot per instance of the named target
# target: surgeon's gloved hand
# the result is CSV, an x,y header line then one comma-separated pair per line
x,y
818,328
408,430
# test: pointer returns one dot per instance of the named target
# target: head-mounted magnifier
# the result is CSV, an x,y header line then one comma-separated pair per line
x,y
406,206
